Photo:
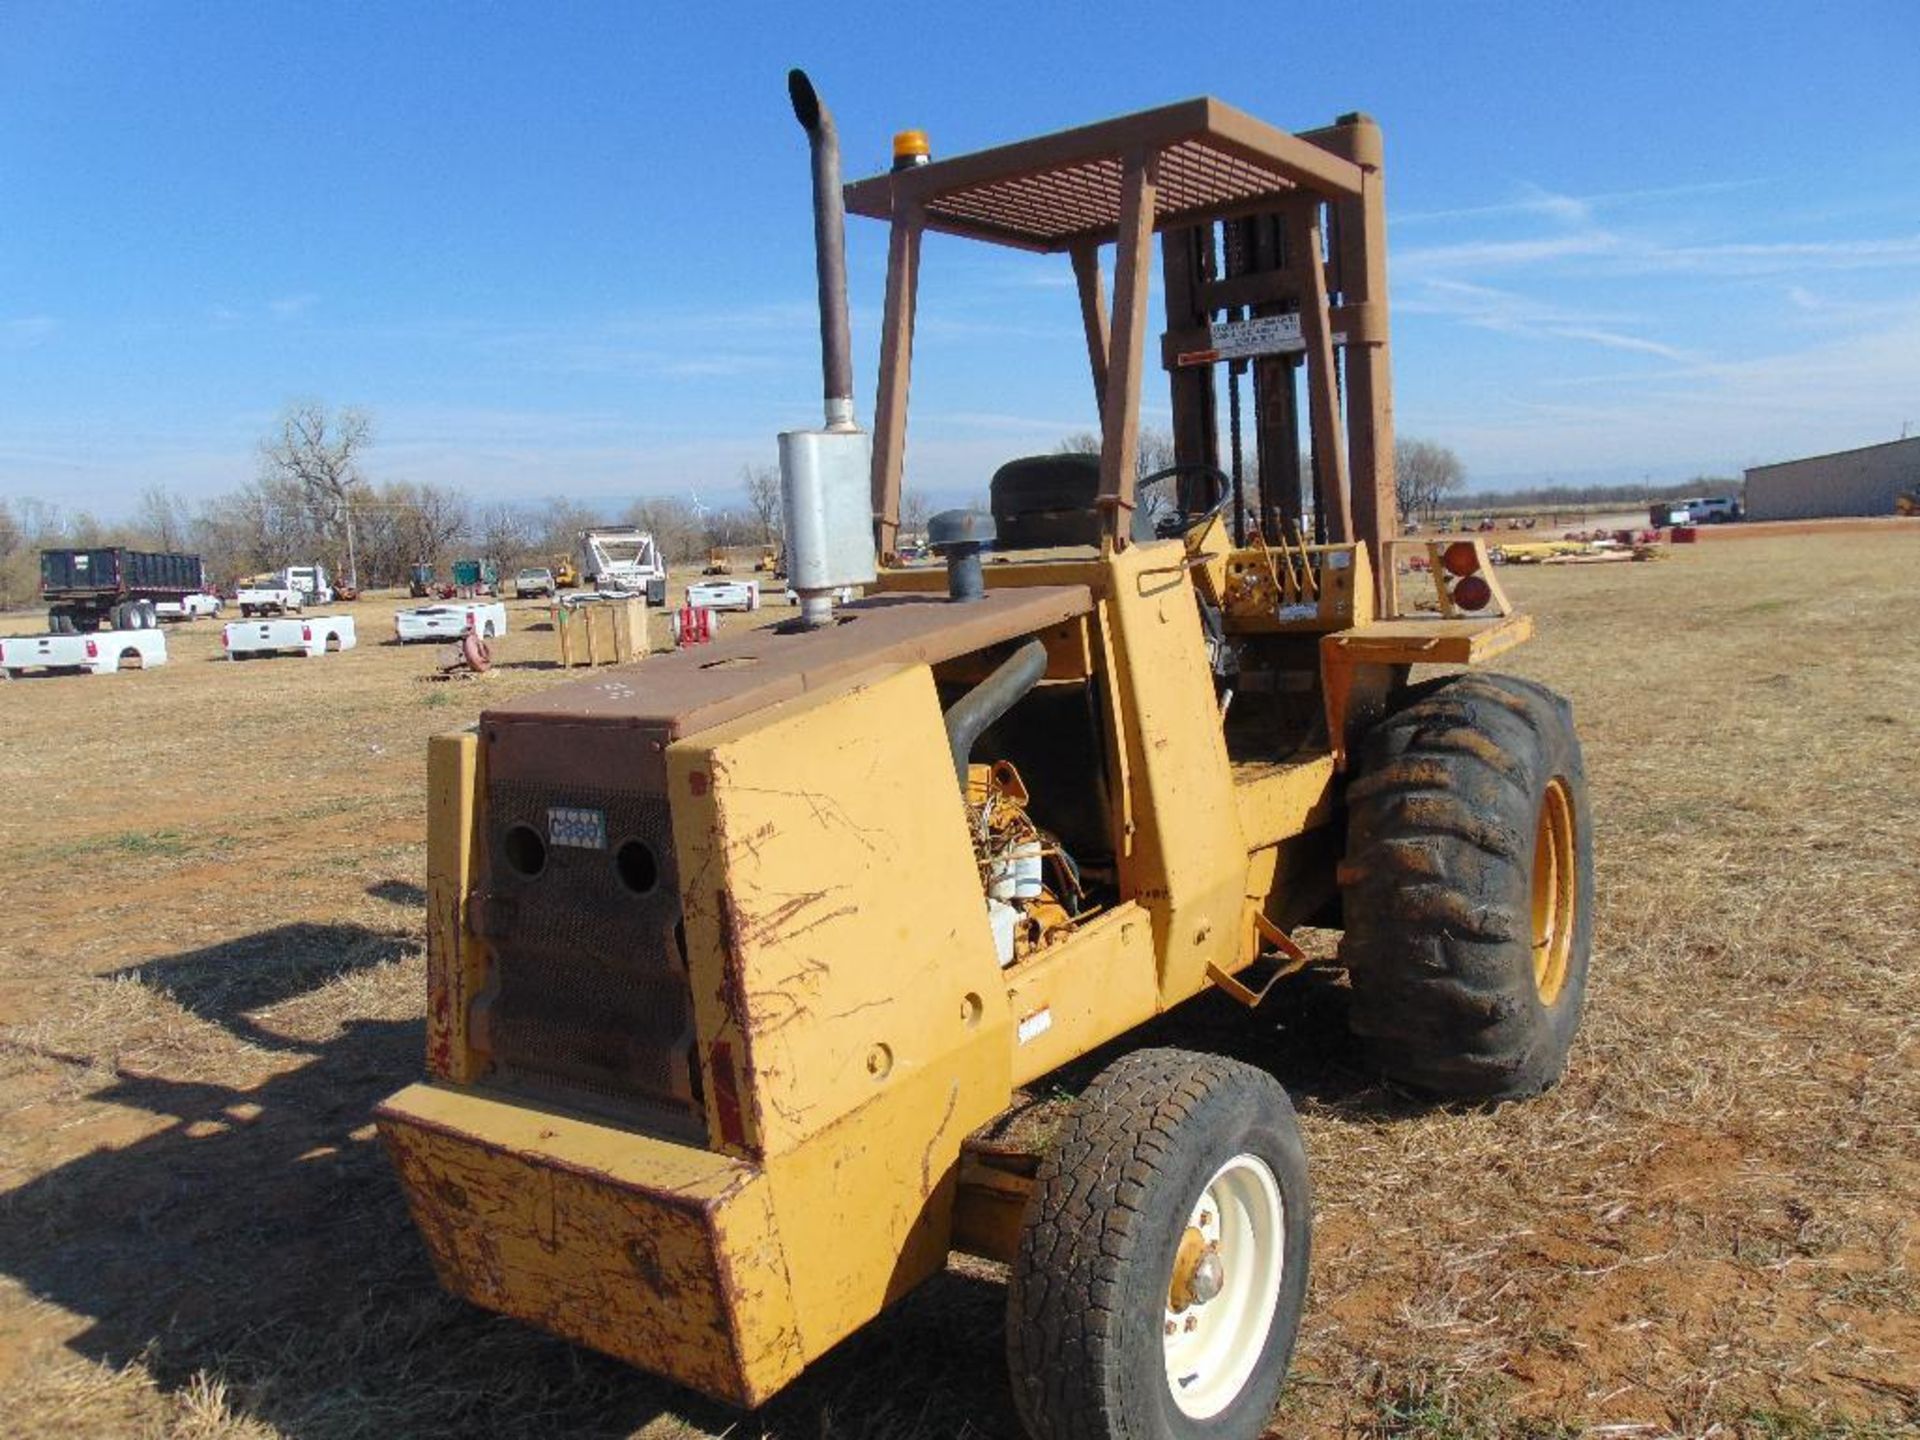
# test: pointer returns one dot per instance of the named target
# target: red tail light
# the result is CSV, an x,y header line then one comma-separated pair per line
x,y
1472,592
3,653
93,650
224,641
1463,579
306,632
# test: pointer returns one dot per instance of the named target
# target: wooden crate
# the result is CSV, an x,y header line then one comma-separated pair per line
x,y
605,632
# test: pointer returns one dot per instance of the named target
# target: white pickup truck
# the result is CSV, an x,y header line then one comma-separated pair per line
x,y
310,635
286,592
451,620
188,607
100,653
270,597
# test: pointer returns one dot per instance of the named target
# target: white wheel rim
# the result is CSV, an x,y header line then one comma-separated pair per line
x,y
1211,1347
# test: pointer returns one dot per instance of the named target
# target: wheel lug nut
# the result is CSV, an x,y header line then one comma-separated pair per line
x,y
1193,1322
1172,1328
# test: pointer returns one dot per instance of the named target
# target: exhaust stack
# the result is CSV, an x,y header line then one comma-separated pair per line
x,y
824,474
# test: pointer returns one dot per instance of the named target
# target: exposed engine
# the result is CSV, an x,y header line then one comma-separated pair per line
x,y
1033,889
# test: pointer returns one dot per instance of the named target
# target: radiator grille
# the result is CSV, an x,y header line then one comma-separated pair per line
x,y
589,994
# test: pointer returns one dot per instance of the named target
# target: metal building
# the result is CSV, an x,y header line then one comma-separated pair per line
x,y
1849,482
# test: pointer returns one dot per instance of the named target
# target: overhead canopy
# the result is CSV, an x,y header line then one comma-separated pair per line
x,y
1062,191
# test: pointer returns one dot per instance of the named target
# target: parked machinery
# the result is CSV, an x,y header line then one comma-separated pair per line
x,y
732,966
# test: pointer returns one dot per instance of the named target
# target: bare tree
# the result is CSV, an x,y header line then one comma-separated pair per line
x,y
763,499
161,518
1153,451
913,513
320,452
431,519
505,536
264,525
1424,475
676,527
559,525
17,571
726,528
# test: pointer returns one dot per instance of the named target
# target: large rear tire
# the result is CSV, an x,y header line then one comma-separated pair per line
x,y
1468,889
1162,1266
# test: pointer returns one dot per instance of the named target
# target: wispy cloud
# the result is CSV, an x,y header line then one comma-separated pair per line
x,y
1613,340
290,307
1840,391
1602,252
28,329
1503,254
1508,313
1577,209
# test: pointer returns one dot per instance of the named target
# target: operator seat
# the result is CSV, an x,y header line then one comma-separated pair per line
x,y
1041,501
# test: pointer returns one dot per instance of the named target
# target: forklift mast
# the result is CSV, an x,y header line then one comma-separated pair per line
x,y
1274,254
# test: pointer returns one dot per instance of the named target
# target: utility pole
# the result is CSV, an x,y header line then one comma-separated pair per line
x,y
353,568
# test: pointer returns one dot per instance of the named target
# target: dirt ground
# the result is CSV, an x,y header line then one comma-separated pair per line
x,y
211,970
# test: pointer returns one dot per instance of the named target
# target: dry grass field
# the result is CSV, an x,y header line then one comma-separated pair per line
x,y
211,970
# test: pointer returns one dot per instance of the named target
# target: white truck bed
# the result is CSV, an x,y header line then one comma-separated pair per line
x,y
450,620
308,635
724,594
100,653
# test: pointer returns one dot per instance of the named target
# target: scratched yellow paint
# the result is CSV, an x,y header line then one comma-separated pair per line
x,y
1098,983
456,960
663,1255
839,949
1285,800
1188,859
852,1022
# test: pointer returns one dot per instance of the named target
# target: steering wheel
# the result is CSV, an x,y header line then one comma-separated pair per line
x,y
1178,523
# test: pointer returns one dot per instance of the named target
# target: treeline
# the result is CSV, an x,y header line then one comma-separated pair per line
x,y
269,523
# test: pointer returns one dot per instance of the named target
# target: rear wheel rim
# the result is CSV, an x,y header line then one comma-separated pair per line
x,y
1212,1347
1555,899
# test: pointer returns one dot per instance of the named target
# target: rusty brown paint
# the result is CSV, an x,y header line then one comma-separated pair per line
x,y
726,1093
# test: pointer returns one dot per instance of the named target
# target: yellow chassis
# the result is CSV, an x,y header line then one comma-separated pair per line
x,y
853,1024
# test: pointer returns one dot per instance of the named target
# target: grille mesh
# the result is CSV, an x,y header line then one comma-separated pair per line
x,y
590,992
1054,205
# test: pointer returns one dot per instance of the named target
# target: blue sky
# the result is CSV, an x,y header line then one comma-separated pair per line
x,y
565,249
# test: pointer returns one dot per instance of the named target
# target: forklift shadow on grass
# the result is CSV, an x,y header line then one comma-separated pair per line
x,y
260,1238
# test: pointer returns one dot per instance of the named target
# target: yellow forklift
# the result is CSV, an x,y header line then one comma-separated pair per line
x,y
733,970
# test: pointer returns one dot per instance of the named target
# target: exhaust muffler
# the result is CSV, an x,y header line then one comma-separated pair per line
x,y
825,473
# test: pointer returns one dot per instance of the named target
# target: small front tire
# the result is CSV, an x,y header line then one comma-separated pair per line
x,y
1162,1268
